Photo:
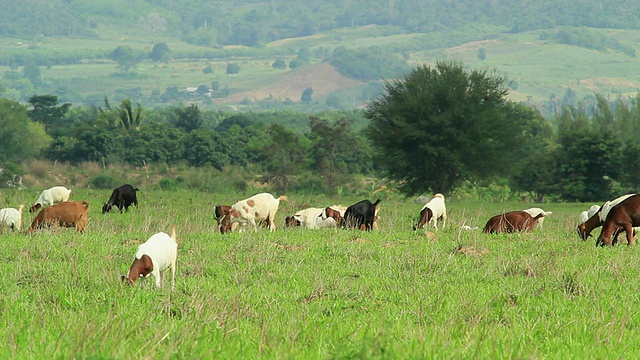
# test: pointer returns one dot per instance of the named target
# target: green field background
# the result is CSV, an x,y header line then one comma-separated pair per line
x,y
304,294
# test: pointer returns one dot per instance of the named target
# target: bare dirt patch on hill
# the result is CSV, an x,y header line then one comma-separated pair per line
x,y
322,78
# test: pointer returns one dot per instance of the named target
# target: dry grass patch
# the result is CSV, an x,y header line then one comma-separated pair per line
x,y
470,251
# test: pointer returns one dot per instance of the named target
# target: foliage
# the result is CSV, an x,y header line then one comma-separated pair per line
x,y
368,64
102,181
307,95
588,39
233,68
279,64
282,155
21,138
441,125
45,110
160,52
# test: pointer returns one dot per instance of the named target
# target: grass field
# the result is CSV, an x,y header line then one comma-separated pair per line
x,y
393,293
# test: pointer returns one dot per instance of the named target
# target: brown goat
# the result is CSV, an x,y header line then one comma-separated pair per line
x,y
513,221
585,229
624,216
65,214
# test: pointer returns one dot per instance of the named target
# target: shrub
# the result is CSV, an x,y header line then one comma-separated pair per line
x,y
168,184
102,182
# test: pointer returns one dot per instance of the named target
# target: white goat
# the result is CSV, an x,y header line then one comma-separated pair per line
x,y
156,255
260,207
535,212
52,196
585,215
316,218
12,217
433,211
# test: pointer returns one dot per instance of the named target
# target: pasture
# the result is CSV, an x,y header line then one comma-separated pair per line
x,y
304,294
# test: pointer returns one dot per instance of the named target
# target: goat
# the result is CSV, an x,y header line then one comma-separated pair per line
x,y
258,208
623,216
535,211
122,197
153,257
433,211
360,215
12,217
315,218
514,221
51,196
64,214
597,219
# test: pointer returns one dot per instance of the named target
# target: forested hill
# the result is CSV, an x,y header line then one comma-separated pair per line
x,y
252,23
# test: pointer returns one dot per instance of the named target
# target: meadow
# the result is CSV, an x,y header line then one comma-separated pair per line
x,y
295,293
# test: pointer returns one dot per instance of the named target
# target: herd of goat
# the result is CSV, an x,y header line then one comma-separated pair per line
x,y
159,252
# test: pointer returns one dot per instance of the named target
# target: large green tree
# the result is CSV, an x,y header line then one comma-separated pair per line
x,y
442,124
20,138
47,111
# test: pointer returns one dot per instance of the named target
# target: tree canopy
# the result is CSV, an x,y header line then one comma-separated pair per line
x,y
441,125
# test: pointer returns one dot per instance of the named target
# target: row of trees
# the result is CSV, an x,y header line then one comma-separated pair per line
x,y
253,23
436,129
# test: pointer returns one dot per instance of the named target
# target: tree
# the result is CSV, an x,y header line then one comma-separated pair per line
x,y
46,111
188,118
331,145
21,138
306,95
125,57
482,54
205,147
441,125
282,155
124,117
233,68
160,52
155,24
32,72
279,64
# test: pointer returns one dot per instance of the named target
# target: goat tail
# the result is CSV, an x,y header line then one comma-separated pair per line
x,y
20,208
283,198
85,203
376,203
172,232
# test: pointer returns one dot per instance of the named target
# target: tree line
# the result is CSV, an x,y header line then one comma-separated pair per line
x,y
434,130
251,23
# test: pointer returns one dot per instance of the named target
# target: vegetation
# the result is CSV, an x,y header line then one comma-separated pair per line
x,y
315,294
442,125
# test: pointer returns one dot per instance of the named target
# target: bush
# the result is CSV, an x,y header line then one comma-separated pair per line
x,y
102,182
168,184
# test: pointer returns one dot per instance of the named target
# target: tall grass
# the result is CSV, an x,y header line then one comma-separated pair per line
x,y
393,293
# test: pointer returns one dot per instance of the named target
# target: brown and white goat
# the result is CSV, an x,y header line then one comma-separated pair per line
x,y
64,214
256,209
51,196
432,212
514,221
154,257
622,217
599,217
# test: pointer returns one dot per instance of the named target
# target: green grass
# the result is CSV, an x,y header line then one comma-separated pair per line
x,y
392,293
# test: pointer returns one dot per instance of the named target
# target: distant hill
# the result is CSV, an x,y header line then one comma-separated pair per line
x,y
553,53
323,78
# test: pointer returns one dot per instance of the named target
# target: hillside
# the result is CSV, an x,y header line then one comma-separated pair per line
x,y
323,78
554,53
